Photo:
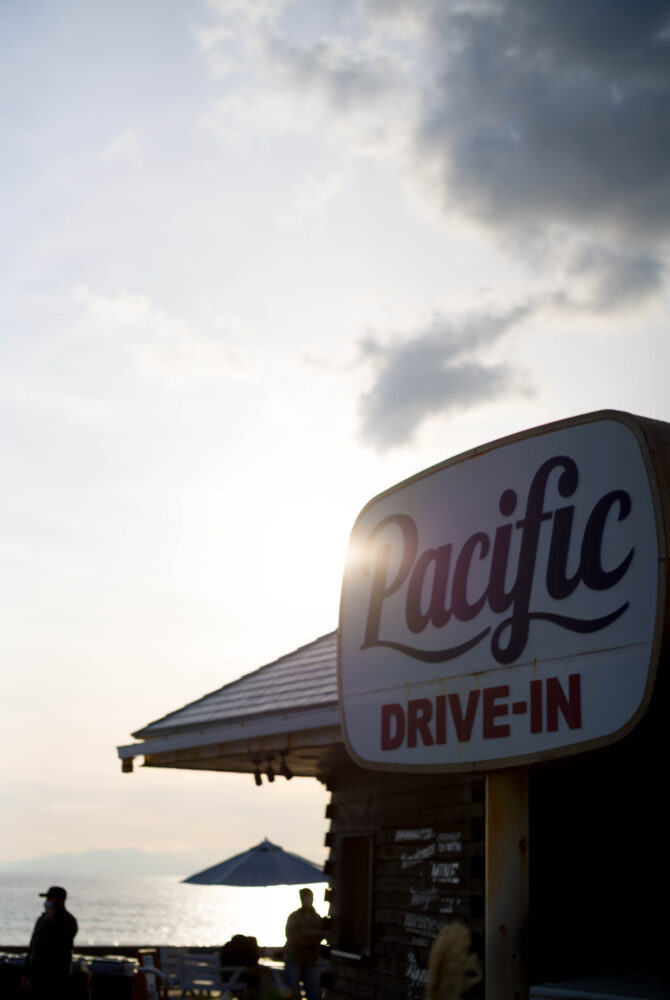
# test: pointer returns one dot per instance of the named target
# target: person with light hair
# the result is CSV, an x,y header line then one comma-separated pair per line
x,y
452,967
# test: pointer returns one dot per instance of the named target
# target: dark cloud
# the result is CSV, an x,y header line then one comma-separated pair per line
x,y
445,367
545,116
555,112
613,278
437,370
547,121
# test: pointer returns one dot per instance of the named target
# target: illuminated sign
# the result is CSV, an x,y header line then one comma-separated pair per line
x,y
507,605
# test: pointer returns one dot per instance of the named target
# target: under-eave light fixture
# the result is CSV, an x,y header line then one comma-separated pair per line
x,y
285,769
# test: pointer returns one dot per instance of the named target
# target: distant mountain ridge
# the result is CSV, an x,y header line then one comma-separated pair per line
x,y
113,861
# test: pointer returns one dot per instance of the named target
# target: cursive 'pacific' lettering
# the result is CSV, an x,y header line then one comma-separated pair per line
x,y
509,638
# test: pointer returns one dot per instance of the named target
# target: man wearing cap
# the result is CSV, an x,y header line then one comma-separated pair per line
x,y
47,966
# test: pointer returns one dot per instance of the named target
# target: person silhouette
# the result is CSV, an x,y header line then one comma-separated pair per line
x,y
49,959
304,932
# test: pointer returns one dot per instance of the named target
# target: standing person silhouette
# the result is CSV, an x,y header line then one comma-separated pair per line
x,y
304,931
49,958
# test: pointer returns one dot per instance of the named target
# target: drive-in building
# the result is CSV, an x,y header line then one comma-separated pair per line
x,y
489,718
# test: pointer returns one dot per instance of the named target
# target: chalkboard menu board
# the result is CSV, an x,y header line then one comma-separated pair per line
x,y
427,849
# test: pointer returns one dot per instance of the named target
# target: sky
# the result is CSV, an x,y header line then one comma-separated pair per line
x,y
261,260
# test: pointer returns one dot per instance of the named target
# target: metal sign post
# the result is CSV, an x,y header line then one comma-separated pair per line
x,y
507,885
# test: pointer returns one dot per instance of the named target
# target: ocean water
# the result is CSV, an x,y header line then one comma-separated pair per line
x,y
151,910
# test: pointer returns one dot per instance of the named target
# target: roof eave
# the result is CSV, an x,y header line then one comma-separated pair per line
x,y
244,731
157,731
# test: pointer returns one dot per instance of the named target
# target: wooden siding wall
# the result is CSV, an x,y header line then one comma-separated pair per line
x,y
427,869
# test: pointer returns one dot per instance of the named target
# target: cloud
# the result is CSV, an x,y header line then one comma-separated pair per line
x,y
530,114
437,370
344,80
546,123
306,68
553,113
613,278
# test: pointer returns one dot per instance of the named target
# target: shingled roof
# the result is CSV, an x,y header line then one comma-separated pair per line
x,y
305,678
286,712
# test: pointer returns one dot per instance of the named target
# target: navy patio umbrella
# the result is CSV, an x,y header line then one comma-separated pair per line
x,y
263,865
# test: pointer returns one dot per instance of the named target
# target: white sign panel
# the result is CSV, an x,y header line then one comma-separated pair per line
x,y
502,607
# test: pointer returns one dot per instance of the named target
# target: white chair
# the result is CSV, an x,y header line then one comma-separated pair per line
x,y
168,961
200,974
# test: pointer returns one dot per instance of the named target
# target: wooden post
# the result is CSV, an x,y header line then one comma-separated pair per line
x,y
507,890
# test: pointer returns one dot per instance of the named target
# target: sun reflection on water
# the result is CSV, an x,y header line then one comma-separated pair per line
x,y
153,910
